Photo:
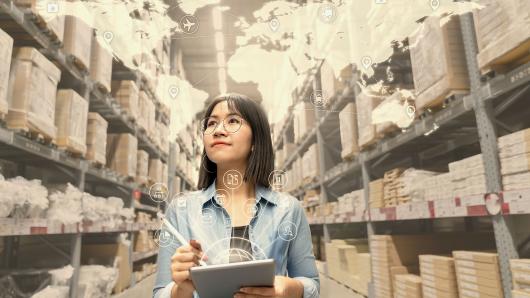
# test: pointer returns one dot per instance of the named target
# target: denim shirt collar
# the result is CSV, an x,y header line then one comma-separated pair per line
x,y
261,193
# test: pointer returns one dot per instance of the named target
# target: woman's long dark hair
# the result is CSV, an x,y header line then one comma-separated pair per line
x,y
261,160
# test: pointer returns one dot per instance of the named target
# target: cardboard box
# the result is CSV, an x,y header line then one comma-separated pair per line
x,y
438,61
101,64
331,83
96,139
6,49
515,149
481,257
448,285
502,30
515,164
71,112
348,131
122,154
366,103
78,40
155,170
429,292
518,137
54,24
127,95
32,92
482,289
110,254
142,167
304,120
483,270
520,294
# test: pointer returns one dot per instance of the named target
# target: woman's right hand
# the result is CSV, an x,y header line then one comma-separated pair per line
x,y
185,257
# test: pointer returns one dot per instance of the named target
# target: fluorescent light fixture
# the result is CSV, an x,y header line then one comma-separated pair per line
x,y
219,41
217,20
221,59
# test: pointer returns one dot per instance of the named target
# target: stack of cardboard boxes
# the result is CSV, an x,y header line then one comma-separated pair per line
x,y
408,286
438,61
96,139
438,276
71,112
366,103
468,176
6,49
304,120
478,274
78,40
377,194
502,30
101,64
122,154
126,94
521,277
439,187
142,167
392,185
32,93
348,132
349,263
514,153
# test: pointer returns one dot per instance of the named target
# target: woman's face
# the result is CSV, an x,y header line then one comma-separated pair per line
x,y
222,146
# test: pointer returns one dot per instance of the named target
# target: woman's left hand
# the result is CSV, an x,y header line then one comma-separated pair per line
x,y
283,287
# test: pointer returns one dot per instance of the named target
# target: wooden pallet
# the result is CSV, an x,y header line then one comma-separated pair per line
x,y
41,23
74,149
441,103
496,59
36,136
77,63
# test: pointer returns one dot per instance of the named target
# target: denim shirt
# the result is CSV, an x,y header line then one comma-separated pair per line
x,y
277,230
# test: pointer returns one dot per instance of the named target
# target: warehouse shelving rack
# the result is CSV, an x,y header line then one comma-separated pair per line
x,y
81,173
465,121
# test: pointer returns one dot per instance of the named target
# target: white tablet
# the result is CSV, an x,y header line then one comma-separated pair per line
x,y
224,280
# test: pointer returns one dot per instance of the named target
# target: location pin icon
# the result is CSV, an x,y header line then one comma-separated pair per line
x,y
108,36
274,24
411,111
366,61
435,4
174,91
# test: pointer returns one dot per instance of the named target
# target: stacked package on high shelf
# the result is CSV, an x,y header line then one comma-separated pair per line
x,y
54,25
377,194
502,30
391,186
521,277
478,274
6,48
142,168
32,93
408,286
438,276
366,103
348,262
348,131
304,120
468,176
122,154
155,170
398,254
438,61
311,164
71,112
78,40
101,65
514,154
352,202
127,95
163,131
411,187
333,85
96,139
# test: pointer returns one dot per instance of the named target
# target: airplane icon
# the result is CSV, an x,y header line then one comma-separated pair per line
x,y
189,24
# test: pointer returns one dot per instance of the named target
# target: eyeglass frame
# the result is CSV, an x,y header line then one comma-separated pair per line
x,y
204,128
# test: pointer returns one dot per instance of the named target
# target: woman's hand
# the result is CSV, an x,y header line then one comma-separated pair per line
x,y
283,287
185,257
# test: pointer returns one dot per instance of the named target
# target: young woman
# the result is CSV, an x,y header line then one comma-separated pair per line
x,y
237,216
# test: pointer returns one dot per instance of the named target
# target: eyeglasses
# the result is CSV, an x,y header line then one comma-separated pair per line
x,y
231,124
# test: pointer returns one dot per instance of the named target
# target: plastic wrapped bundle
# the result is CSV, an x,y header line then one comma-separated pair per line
x,y
53,292
65,205
29,196
6,200
97,281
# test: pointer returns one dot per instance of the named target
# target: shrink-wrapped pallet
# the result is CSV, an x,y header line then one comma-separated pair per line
x,y
78,41
348,131
438,61
127,95
71,111
101,64
366,103
503,34
332,84
6,49
32,91
142,167
122,153
96,138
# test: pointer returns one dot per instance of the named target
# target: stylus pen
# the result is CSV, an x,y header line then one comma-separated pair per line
x,y
180,238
